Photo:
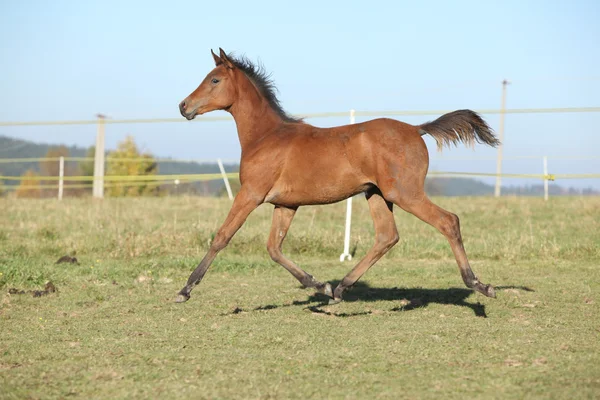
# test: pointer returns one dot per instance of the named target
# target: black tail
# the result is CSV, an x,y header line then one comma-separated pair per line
x,y
459,126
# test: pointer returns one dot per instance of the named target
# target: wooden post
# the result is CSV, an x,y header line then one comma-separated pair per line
x,y
98,187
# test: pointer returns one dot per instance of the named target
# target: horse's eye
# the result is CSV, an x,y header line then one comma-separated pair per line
x,y
215,80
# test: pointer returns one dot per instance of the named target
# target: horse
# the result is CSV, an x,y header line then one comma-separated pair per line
x,y
289,163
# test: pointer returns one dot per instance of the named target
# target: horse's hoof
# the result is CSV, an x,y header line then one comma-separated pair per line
x,y
182,298
326,290
333,301
486,290
490,291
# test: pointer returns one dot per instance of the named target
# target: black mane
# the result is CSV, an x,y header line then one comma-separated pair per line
x,y
262,80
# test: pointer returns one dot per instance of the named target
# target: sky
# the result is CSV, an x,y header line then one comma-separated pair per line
x,y
69,60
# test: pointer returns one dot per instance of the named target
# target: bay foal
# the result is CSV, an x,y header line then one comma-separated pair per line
x,y
289,163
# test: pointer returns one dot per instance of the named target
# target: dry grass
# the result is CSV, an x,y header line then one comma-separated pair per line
x,y
509,228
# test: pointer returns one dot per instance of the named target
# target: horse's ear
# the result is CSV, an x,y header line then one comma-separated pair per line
x,y
225,59
217,59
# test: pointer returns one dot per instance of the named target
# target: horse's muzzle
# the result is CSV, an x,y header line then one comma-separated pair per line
x,y
188,116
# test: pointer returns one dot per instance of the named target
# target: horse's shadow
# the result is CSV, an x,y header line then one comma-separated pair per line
x,y
408,299
411,298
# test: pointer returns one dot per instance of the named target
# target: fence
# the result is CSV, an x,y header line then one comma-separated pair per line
x,y
178,178
99,181
120,180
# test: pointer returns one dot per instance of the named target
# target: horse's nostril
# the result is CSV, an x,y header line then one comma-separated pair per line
x,y
182,105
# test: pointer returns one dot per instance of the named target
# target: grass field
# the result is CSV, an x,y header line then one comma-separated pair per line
x,y
409,329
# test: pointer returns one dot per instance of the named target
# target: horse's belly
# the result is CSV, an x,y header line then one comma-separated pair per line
x,y
314,192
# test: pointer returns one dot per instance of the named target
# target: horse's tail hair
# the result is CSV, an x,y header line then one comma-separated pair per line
x,y
459,126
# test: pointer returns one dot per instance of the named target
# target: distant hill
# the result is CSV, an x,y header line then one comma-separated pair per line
x,y
473,187
207,188
16,148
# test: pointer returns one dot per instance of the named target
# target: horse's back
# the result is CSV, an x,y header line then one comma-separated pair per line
x,y
322,165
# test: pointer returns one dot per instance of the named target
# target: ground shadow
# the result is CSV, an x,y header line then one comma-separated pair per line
x,y
524,288
408,299
411,298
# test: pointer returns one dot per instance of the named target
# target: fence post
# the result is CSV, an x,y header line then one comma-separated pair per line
x,y
545,178
225,180
498,187
98,187
61,175
346,254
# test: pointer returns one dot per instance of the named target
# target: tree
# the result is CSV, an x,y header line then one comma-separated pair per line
x,y
127,160
52,167
29,186
87,167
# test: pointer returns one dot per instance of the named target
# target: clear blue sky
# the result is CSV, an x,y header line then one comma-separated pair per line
x,y
139,59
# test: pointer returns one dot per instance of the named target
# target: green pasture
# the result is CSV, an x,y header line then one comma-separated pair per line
x,y
409,329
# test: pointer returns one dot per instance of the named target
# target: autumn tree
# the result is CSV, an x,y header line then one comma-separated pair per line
x,y
87,167
51,167
127,160
29,186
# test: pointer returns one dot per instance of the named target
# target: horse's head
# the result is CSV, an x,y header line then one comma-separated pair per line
x,y
216,92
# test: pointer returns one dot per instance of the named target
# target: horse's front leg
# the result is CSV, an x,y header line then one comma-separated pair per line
x,y
244,203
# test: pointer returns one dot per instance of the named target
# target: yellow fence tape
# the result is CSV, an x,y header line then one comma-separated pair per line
x,y
73,182
236,161
124,178
549,177
111,159
68,186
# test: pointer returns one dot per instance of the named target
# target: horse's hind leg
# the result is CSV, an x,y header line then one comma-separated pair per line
x,y
282,219
448,224
386,236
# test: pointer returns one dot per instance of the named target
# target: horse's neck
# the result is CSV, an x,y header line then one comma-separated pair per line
x,y
253,115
